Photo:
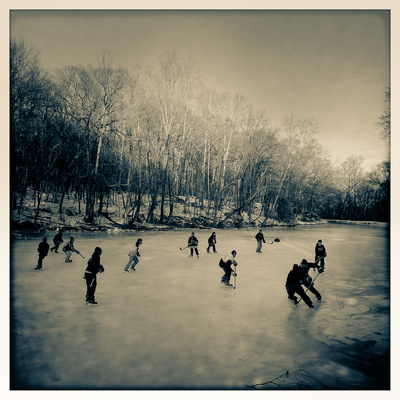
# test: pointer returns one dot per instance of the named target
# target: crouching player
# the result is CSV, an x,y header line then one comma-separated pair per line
x,y
225,263
299,276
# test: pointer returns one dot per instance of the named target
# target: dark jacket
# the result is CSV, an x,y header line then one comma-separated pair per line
x,y
212,240
43,248
260,236
296,275
193,241
94,266
320,250
58,238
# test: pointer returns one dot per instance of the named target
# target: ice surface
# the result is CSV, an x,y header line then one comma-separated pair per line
x,y
172,325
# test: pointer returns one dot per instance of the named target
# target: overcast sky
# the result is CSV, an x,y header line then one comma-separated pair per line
x,y
333,66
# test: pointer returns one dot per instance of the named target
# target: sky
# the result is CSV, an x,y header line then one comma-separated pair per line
x,y
332,66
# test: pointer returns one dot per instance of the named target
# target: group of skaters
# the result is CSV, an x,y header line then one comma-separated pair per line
x,y
296,279
44,247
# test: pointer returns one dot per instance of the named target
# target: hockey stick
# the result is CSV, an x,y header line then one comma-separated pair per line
x,y
183,248
317,262
309,287
234,278
76,251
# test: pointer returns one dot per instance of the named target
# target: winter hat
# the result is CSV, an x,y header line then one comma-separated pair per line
x,y
98,250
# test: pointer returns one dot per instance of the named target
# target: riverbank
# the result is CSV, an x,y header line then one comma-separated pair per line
x,y
28,220
49,219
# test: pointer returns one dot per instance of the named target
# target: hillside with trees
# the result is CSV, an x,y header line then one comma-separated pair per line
x,y
158,148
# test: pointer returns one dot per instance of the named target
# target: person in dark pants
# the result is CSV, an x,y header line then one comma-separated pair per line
x,y
225,263
297,277
212,241
193,243
320,254
92,269
260,240
307,280
57,240
43,250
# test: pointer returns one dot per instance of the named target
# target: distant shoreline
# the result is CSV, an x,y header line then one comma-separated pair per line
x,y
19,233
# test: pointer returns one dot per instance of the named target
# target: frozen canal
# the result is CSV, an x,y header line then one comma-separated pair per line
x,y
172,325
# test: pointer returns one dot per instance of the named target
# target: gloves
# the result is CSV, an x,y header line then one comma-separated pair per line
x,y
306,281
101,269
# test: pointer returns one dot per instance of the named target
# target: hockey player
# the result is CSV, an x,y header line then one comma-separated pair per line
x,y
225,263
92,269
320,254
307,280
133,257
43,250
212,241
69,248
193,243
260,240
57,240
299,276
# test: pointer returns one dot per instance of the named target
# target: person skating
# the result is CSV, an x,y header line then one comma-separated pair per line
x,y
320,254
212,241
193,243
226,264
260,240
133,257
43,250
299,276
57,240
92,269
307,280
69,248
293,286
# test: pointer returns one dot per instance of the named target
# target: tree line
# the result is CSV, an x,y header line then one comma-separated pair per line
x,y
157,137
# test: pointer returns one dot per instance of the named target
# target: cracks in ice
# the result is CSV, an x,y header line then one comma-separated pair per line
x,y
299,379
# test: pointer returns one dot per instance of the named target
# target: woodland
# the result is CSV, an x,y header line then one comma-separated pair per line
x,y
156,141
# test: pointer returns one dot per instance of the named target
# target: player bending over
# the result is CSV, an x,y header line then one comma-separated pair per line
x,y
225,263
299,276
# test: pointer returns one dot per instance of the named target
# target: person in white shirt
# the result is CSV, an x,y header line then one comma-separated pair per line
x,y
225,263
133,257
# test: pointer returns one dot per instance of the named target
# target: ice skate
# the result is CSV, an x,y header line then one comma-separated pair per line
x,y
294,300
